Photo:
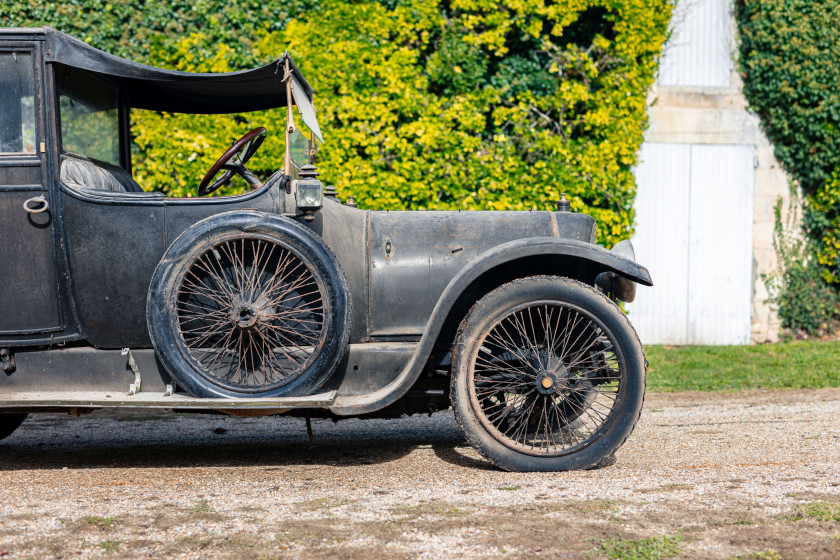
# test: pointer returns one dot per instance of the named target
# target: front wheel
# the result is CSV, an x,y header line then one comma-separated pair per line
x,y
548,375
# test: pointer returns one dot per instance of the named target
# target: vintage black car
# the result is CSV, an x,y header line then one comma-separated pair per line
x,y
284,300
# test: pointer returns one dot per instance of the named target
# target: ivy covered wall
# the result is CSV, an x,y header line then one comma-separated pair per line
x,y
790,60
469,104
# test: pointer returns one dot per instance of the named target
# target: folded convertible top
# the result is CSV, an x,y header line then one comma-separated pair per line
x,y
153,88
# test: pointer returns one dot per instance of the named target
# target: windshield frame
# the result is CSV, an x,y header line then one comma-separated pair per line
x,y
306,109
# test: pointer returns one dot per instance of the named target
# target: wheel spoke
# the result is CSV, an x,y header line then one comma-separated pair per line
x,y
545,378
251,313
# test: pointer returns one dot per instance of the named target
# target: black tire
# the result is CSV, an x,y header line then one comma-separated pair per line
x,y
249,304
547,375
9,422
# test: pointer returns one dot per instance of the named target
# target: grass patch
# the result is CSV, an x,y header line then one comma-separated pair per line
x,y
760,555
420,510
786,365
201,506
510,488
99,521
407,509
326,503
110,545
821,511
598,505
651,548
196,541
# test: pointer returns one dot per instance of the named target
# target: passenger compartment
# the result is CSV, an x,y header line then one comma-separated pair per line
x,y
86,174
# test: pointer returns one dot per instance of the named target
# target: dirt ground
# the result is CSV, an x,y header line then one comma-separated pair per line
x,y
749,475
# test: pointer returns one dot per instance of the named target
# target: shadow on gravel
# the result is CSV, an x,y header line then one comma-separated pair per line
x,y
176,441
452,455
187,454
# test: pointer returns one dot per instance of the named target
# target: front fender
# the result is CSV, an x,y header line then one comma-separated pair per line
x,y
596,259
549,247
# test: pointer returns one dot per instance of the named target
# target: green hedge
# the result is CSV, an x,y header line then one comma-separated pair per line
x,y
470,104
132,28
790,59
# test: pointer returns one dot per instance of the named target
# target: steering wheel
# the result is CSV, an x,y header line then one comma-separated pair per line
x,y
233,161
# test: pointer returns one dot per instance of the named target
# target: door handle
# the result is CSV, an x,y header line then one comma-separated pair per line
x,y
36,205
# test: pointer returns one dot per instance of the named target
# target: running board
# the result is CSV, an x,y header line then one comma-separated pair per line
x,y
90,399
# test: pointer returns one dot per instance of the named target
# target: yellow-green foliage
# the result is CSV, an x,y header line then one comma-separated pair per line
x,y
824,207
468,104
172,152
517,102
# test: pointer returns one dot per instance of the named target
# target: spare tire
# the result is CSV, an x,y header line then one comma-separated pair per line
x,y
249,304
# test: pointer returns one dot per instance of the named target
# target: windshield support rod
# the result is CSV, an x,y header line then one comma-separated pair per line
x,y
290,122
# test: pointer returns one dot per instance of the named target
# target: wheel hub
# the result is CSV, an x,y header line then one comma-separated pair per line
x,y
247,314
551,377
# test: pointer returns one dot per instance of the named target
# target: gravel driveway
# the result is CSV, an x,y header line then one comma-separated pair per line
x,y
754,474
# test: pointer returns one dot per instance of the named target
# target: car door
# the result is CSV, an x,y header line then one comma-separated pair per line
x,y
30,300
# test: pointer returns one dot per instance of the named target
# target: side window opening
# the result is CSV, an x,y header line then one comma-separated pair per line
x,y
89,113
17,109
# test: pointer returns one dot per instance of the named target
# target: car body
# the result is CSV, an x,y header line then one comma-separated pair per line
x,y
281,300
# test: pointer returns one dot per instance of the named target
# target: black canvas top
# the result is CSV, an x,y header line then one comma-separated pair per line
x,y
153,88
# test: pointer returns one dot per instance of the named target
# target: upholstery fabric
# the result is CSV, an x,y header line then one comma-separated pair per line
x,y
80,172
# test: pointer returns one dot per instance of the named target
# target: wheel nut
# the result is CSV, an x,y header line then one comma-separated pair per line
x,y
547,382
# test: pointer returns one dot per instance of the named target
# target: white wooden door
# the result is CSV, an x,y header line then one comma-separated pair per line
x,y
694,216
699,51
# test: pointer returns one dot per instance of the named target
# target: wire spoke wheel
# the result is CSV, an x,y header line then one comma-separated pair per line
x,y
545,378
251,313
248,304
548,375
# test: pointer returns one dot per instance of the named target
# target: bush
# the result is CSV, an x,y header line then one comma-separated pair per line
x,y
790,59
132,28
823,209
465,104
514,104
806,303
